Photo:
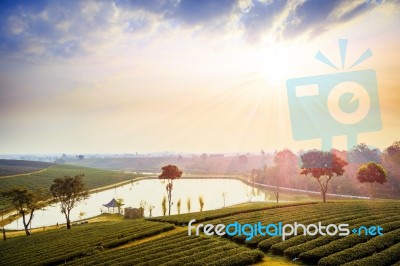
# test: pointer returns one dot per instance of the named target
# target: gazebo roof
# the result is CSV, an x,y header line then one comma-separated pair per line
x,y
112,204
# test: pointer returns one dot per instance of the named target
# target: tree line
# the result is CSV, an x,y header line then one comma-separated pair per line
x,y
363,165
373,167
66,190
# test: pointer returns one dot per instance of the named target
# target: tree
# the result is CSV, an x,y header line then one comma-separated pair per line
x,y
201,203
223,196
286,162
363,154
274,176
143,204
164,205
178,206
253,174
393,151
249,195
150,208
286,167
4,230
370,174
25,203
170,173
69,191
188,204
80,157
81,215
322,166
120,203
391,162
243,159
59,161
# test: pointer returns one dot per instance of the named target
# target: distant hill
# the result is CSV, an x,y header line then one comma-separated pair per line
x,y
15,167
195,164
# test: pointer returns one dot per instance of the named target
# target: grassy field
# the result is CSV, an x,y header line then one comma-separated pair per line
x,y
183,219
94,178
177,249
149,242
17,167
58,246
329,250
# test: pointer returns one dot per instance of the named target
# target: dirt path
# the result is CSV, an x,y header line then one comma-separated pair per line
x,y
147,239
270,260
30,173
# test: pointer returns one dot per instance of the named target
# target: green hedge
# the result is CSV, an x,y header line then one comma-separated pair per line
x,y
61,245
184,219
386,257
314,255
362,250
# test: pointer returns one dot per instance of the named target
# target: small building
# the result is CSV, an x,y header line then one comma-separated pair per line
x,y
113,204
133,212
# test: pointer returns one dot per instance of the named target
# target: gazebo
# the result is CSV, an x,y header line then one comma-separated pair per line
x,y
113,204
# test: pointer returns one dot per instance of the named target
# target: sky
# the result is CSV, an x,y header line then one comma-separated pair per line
x,y
181,75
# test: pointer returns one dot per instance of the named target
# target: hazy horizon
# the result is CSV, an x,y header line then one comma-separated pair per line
x,y
191,76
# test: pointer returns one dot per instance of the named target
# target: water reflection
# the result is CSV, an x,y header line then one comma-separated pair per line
x,y
214,191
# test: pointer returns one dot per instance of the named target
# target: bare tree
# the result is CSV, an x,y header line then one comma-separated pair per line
x,y
188,204
201,203
150,208
164,205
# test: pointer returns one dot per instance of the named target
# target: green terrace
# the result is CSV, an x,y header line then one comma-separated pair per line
x,y
159,241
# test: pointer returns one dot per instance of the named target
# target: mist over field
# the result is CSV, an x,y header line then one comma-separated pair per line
x,y
213,132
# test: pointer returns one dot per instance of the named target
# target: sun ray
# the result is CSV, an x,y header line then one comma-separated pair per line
x,y
367,54
343,50
322,58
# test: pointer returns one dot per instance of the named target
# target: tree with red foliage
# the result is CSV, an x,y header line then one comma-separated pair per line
x,y
370,174
391,162
170,173
322,166
286,165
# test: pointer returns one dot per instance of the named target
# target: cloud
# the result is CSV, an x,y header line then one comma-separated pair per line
x,y
43,30
259,17
153,6
186,11
202,12
315,17
54,30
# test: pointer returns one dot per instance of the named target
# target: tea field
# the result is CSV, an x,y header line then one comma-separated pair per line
x,y
165,242
329,250
94,178
17,167
59,245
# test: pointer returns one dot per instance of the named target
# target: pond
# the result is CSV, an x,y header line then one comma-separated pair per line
x,y
152,192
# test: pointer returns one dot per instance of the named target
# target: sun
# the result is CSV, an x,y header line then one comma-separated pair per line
x,y
276,63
